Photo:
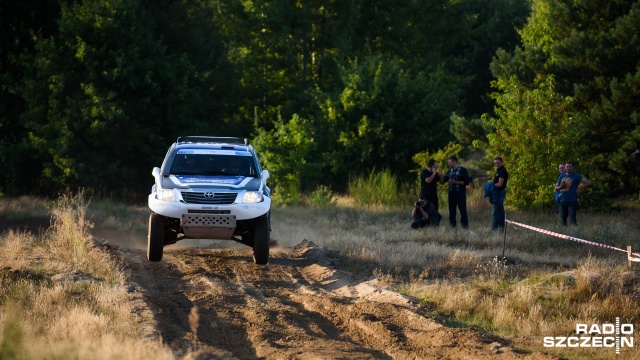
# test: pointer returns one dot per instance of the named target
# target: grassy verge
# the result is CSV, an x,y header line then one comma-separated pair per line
x,y
543,287
62,297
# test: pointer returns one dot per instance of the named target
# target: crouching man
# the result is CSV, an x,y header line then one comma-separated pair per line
x,y
424,213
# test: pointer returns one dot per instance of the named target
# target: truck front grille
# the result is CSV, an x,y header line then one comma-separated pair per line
x,y
209,198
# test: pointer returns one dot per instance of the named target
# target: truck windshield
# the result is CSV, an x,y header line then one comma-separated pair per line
x,y
213,164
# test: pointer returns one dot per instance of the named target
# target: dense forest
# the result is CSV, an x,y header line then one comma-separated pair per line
x,y
92,92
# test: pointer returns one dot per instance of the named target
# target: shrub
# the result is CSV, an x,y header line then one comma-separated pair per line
x,y
322,197
378,188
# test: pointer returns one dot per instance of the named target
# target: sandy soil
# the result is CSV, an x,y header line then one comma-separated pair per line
x,y
214,303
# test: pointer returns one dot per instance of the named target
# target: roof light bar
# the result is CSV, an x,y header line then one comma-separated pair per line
x,y
213,139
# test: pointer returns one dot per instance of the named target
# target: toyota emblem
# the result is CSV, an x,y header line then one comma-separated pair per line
x,y
209,195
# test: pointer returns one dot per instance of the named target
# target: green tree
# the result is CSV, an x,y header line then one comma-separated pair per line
x,y
378,79
567,94
189,28
461,36
441,156
284,50
101,96
91,84
534,131
288,151
471,132
21,24
384,115
487,25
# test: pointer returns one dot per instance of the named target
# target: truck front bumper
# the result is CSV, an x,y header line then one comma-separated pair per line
x,y
241,211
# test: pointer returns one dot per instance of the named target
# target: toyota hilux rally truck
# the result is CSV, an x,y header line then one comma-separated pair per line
x,y
210,188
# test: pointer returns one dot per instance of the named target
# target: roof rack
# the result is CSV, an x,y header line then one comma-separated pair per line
x,y
213,139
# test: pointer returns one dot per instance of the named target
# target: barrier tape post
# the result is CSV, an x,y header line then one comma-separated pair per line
x,y
629,261
504,239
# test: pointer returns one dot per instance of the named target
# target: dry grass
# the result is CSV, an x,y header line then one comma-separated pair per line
x,y
23,207
63,297
544,287
111,215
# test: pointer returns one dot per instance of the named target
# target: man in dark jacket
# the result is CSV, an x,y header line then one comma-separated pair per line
x,y
458,179
423,214
500,189
429,179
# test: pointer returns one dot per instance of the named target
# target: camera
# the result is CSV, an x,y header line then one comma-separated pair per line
x,y
418,204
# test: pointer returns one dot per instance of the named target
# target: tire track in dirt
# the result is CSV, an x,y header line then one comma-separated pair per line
x,y
218,304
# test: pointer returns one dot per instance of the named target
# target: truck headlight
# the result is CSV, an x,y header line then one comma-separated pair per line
x,y
166,195
251,197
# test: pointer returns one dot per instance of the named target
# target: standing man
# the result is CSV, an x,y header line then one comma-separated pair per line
x,y
561,170
429,179
458,178
500,184
570,184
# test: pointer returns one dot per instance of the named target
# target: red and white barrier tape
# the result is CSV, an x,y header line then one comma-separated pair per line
x,y
630,256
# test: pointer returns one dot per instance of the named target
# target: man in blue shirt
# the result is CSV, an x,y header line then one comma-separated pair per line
x,y
561,170
570,184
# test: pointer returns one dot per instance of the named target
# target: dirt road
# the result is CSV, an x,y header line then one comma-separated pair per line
x,y
216,304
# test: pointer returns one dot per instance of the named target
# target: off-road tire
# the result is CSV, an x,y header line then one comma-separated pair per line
x,y
155,241
261,240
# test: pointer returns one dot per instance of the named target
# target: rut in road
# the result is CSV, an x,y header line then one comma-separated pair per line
x,y
218,304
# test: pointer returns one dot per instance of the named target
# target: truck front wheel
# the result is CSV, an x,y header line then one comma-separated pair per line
x,y
155,241
261,240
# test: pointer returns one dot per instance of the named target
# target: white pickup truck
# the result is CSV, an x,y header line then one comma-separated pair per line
x,y
210,188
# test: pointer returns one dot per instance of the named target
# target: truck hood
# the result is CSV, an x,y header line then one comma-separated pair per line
x,y
218,182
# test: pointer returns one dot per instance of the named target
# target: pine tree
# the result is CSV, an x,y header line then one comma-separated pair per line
x,y
570,92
